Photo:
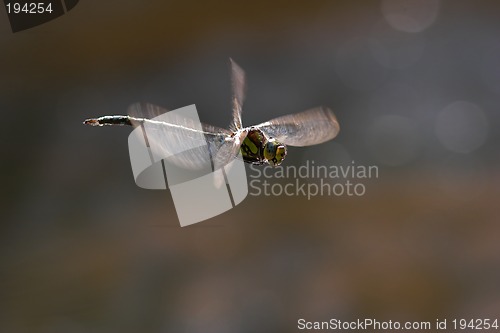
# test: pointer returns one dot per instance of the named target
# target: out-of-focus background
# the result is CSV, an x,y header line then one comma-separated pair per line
x,y
415,86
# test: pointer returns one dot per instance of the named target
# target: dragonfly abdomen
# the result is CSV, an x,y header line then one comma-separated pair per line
x,y
112,120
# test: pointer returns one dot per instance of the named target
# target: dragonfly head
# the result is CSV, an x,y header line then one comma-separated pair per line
x,y
274,152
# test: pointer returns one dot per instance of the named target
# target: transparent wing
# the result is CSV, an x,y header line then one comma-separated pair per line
x,y
303,129
229,150
184,140
146,110
226,153
239,87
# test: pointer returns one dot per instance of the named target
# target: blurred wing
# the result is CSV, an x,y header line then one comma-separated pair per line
x,y
303,129
229,150
226,153
145,110
239,87
183,140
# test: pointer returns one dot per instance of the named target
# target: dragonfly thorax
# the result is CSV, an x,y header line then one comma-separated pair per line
x,y
257,148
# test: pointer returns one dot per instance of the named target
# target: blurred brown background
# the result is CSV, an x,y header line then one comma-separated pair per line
x,y
415,86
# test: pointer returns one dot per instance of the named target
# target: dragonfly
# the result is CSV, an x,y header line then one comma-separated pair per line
x,y
262,144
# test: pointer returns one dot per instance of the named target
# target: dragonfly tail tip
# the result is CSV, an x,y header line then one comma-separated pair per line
x,y
91,122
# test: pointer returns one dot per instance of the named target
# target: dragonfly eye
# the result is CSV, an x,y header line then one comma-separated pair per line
x,y
274,152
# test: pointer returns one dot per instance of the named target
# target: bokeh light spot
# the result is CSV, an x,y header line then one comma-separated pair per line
x,y
461,127
410,15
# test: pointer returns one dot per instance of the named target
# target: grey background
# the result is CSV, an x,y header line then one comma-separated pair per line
x,y
83,249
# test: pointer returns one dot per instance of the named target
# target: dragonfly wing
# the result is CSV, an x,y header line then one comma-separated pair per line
x,y
229,150
239,87
306,128
227,153
146,110
182,140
